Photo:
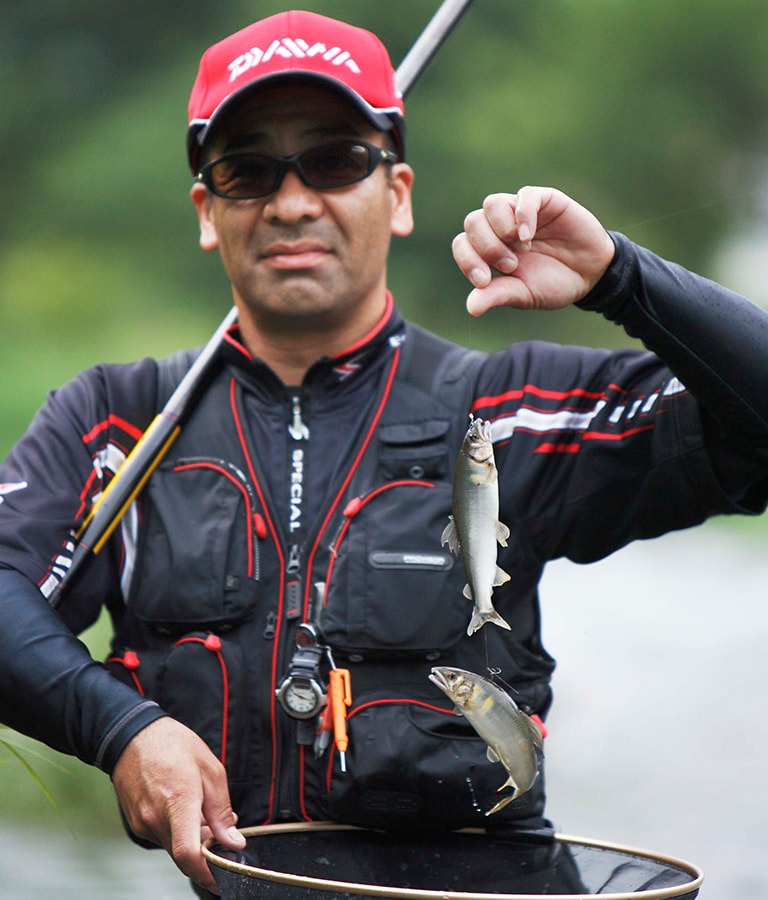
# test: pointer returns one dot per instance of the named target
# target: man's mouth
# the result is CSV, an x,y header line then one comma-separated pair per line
x,y
295,254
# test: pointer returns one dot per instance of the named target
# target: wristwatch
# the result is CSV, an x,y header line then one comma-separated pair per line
x,y
301,693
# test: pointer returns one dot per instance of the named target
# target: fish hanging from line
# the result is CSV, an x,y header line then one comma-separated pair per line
x,y
474,529
512,737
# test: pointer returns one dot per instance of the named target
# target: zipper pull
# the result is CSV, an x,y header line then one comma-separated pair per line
x,y
293,583
293,599
297,429
269,628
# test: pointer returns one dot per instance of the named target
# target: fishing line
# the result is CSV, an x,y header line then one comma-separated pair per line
x,y
684,212
495,674
488,665
495,671
470,327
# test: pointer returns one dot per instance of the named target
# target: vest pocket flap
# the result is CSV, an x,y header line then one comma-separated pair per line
x,y
392,589
415,449
200,683
411,762
198,558
199,679
414,432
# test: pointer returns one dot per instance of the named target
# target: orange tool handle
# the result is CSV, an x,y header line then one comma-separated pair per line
x,y
341,698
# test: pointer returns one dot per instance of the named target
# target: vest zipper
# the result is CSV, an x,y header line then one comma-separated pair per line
x,y
289,762
313,547
299,435
297,427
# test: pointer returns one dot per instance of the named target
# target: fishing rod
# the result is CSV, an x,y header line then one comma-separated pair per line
x,y
428,43
149,451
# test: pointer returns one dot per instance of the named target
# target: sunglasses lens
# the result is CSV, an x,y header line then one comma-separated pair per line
x,y
247,176
336,165
244,175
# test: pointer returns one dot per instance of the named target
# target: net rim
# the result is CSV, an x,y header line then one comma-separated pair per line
x,y
373,890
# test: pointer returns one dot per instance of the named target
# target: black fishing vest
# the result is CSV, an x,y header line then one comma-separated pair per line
x,y
210,621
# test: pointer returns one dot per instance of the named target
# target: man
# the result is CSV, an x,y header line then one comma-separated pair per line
x,y
295,524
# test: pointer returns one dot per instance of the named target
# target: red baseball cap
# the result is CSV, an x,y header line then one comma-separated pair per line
x,y
290,45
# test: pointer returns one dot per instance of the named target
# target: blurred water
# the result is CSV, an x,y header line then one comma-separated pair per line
x,y
40,865
659,731
657,739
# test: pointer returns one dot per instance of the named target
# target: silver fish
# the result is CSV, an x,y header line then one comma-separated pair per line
x,y
512,736
474,529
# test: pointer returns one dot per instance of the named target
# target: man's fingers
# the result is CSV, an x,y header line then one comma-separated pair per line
x,y
221,821
502,291
185,849
529,203
475,257
471,264
494,235
491,240
500,211
170,786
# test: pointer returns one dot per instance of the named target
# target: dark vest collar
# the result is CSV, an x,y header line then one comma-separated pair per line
x,y
327,373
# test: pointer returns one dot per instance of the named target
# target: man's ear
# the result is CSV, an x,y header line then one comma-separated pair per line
x,y
401,187
201,197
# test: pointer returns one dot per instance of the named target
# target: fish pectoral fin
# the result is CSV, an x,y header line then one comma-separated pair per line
x,y
493,756
451,537
468,592
500,577
502,533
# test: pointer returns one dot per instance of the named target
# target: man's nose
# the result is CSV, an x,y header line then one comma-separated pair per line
x,y
293,200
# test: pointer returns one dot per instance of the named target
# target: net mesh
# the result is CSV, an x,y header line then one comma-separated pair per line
x,y
464,862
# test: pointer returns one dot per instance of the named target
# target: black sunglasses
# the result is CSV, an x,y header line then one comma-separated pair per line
x,y
247,176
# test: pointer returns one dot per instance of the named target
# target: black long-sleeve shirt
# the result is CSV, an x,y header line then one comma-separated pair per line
x,y
595,448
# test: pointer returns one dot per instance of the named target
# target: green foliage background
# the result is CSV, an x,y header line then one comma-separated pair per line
x,y
652,113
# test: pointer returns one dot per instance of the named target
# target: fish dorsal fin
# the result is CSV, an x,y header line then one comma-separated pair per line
x,y
492,755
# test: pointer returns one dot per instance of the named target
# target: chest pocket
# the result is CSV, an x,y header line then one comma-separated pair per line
x,y
391,588
198,560
417,451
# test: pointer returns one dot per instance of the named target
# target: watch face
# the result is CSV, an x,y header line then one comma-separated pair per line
x,y
301,698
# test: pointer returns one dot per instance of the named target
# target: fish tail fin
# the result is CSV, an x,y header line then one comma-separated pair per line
x,y
479,619
502,803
